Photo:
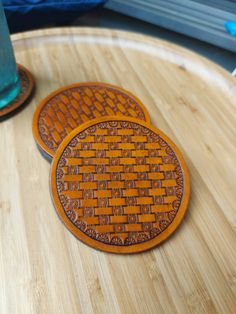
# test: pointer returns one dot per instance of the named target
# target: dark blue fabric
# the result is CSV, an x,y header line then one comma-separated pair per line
x,y
29,14
26,6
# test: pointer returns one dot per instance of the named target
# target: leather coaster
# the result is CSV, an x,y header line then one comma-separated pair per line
x,y
119,184
27,85
70,106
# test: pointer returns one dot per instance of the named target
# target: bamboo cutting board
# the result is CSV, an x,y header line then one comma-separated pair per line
x,y
43,267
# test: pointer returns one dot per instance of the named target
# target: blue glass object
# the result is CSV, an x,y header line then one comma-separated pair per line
x,y
231,27
9,79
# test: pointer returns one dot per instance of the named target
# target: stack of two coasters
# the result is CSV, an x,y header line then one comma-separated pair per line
x,y
118,183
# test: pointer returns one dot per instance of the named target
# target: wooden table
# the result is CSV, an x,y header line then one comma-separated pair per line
x,y
43,268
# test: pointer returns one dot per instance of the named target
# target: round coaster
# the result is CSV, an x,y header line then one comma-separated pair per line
x,y
70,106
119,184
27,85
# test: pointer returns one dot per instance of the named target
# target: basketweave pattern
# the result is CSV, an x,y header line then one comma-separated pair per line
x,y
74,106
120,183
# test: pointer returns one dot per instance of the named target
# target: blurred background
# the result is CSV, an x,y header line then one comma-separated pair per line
x,y
205,26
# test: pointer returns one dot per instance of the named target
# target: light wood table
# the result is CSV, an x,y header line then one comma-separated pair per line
x,y
43,268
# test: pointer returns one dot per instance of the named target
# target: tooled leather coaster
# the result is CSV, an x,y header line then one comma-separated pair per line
x,y
70,106
27,85
119,184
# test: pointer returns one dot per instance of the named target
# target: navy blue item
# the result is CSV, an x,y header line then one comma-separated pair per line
x,y
29,14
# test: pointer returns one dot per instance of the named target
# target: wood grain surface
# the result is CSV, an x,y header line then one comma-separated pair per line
x,y
43,267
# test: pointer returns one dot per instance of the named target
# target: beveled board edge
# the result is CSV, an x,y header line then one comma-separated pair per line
x,y
222,78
